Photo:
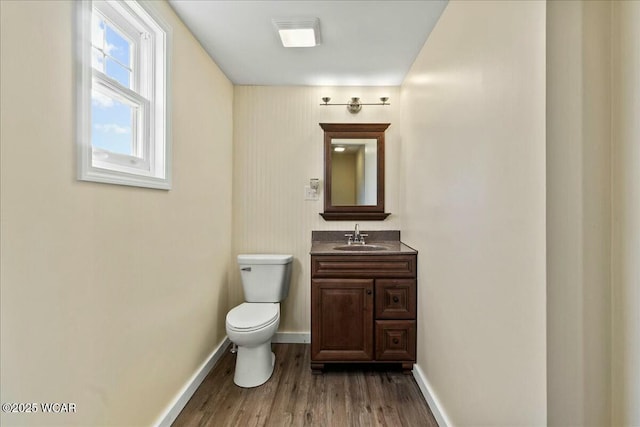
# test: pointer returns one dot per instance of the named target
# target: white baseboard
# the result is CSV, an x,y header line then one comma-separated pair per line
x,y
292,338
180,401
431,398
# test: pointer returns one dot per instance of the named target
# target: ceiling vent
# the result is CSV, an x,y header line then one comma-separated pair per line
x,y
298,32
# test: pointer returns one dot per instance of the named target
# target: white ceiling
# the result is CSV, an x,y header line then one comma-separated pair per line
x,y
364,43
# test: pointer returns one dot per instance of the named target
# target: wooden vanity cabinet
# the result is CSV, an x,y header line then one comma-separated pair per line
x,y
363,309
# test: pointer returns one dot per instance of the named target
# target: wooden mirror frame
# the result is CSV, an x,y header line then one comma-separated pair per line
x,y
354,131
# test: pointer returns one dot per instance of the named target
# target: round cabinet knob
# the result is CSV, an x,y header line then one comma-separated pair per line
x,y
396,340
395,299
369,292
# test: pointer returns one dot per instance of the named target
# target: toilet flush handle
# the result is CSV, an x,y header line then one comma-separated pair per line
x,y
246,269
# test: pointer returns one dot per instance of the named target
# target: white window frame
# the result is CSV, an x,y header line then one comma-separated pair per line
x,y
150,166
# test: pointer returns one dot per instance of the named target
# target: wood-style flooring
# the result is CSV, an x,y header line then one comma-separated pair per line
x,y
342,396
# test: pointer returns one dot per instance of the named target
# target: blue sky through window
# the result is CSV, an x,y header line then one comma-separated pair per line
x,y
112,124
118,60
112,121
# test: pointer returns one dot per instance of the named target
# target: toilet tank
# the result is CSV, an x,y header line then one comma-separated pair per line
x,y
265,277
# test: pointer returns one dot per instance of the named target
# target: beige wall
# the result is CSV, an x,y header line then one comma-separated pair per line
x,y
473,204
625,307
278,146
593,209
112,296
578,213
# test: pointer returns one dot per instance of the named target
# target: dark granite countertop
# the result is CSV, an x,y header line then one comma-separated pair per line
x,y
326,242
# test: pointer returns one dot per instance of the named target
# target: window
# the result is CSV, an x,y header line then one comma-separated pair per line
x,y
123,115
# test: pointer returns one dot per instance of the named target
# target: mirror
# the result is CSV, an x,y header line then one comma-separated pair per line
x,y
354,171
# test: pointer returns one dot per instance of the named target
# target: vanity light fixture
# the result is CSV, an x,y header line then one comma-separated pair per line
x,y
298,32
354,106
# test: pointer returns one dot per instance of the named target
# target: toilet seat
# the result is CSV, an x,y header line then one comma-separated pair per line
x,y
249,317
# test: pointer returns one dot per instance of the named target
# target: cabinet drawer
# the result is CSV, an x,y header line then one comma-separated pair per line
x,y
396,299
367,266
396,340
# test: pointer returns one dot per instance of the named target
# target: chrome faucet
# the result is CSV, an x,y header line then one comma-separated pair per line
x,y
356,237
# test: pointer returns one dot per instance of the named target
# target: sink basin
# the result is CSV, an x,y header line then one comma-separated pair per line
x,y
357,248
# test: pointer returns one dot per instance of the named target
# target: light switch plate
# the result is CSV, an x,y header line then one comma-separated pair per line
x,y
310,193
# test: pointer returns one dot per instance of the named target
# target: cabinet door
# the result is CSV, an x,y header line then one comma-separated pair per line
x,y
341,319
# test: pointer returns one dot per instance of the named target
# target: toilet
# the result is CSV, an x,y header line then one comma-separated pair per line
x,y
252,324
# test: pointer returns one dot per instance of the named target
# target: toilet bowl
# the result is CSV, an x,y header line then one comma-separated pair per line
x,y
252,324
